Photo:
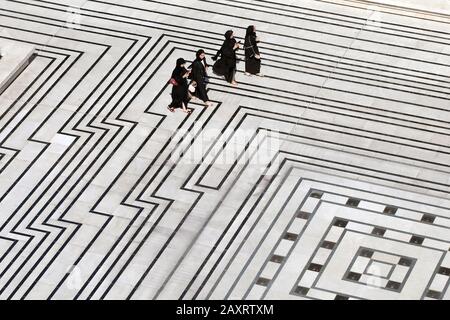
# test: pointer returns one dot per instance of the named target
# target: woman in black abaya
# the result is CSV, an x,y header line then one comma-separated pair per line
x,y
226,65
200,77
252,56
180,95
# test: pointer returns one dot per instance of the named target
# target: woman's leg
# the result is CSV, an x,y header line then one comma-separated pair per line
x,y
202,94
175,103
258,67
178,98
248,69
233,76
228,76
185,108
186,103
251,65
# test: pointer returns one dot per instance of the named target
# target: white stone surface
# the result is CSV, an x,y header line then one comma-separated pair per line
x,y
435,6
14,57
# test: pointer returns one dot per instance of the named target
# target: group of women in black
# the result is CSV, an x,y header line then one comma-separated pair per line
x,y
225,65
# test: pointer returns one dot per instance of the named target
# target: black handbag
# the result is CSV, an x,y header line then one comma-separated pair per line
x,y
218,67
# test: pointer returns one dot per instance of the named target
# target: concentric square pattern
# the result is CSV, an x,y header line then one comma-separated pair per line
x,y
330,241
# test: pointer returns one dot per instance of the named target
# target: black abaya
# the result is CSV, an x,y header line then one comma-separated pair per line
x,y
180,93
199,75
226,65
252,64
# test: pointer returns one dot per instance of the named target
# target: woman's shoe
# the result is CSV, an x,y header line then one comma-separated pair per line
x,y
170,109
260,75
248,74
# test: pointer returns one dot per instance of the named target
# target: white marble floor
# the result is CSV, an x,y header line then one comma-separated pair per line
x,y
328,178
14,57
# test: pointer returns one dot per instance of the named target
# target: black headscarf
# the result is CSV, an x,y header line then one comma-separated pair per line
x,y
199,53
250,31
180,62
228,34
229,42
179,70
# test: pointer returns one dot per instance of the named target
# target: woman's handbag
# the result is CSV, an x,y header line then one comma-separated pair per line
x,y
173,82
219,67
192,86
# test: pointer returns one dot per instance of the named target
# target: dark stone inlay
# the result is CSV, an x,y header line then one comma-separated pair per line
x,y
277,259
393,285
379,231
390,210
433,294
405,262
366,253
316,194
353,276
341,223
263,282
328,245
339,297
303,215
315,267
290,236
416,240
301,290
352,202
428,218
70,270
445,271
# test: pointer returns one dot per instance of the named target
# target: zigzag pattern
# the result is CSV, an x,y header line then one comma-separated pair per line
x,y
343,168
